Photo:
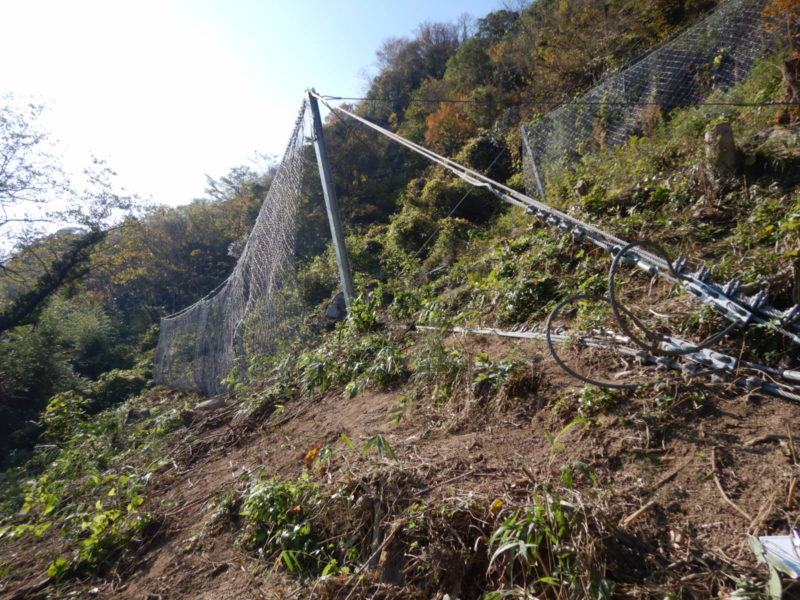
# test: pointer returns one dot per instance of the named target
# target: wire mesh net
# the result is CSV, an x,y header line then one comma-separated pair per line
x,y
713,55
250,311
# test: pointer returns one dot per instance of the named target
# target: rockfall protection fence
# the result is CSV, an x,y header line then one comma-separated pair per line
x,y
247,314
710,57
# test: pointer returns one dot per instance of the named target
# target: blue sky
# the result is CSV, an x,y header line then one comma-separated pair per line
x,y
170,90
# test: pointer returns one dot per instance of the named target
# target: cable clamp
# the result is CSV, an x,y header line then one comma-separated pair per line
x,y
758,300
791,315
663,363
753,383
680,264
709,295
703,274
688,369
731,288
578,233
709,358
647,267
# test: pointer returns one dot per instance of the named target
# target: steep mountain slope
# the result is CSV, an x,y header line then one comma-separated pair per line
x,y
388,457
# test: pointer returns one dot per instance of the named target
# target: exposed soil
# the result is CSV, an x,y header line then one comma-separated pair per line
x,y
680,487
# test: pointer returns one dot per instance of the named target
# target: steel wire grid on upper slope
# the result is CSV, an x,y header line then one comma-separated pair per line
x,y
713,55
199,346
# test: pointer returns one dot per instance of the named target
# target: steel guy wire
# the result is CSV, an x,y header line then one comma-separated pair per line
x,y
738,309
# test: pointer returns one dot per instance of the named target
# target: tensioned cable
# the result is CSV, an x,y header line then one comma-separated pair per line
x,y
656,262
602,238
479,180
740,310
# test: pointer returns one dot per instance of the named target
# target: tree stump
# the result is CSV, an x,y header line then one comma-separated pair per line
x,y
722,157
791,75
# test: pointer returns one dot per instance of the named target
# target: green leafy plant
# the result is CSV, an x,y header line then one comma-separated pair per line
x,y
439,368
554,440
380,444
490,375
277,521
534,553
364,312
104,533
62,415
593,400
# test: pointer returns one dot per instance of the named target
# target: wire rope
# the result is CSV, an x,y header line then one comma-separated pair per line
x,y
619,309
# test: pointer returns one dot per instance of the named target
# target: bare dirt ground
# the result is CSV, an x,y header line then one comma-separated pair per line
x,y
679,486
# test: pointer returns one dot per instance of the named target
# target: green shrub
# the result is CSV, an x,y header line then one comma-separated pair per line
x,y
487,154
277,521
451,239
410,229
62,415
118,385
535,552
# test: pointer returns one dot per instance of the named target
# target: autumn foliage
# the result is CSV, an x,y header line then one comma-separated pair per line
x,y
448,127
785,20
785,15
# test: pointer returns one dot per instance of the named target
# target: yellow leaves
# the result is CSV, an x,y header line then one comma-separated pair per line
x,y
788,9
496,506
499,51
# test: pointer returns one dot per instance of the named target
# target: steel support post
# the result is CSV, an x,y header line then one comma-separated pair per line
x,y
331,203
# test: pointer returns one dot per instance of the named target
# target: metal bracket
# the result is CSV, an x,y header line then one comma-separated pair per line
x,y
709,295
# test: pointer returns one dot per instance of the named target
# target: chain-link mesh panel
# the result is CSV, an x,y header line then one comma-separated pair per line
x,y
199,346
715,54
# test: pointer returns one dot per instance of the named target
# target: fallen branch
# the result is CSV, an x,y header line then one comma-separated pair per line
x,y
762,439
725,497
637,513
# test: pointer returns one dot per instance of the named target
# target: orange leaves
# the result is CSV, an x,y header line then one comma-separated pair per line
x,y
785,15
319,455
312,455
448,127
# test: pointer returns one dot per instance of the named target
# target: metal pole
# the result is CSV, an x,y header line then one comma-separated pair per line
x,y
331,203
527,143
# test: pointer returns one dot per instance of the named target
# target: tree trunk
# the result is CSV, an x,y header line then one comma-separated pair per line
x,y
791,75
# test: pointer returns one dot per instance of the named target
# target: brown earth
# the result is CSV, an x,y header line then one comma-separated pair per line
x,y
680,485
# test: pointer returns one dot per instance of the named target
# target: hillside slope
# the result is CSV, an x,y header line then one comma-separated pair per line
x,y
634,495
386,456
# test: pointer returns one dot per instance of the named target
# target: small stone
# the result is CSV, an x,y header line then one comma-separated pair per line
x,y
581,188
211,404
337,309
